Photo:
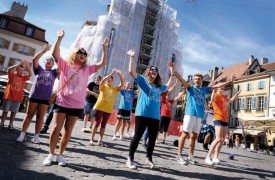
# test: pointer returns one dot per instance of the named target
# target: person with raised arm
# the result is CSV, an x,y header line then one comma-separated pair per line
x,y
147,113
194,112
70,99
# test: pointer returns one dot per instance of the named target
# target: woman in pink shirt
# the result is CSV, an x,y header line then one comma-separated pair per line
x,y
70,99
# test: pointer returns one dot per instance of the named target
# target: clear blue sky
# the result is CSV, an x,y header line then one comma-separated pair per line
x,y
212,32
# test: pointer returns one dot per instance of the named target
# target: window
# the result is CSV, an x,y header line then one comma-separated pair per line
x,y
238,87
261,103
248,87
238,104
254,102
261,84
2,60
3,23
13,61
4,43
248,104
242,103
22,49
29,31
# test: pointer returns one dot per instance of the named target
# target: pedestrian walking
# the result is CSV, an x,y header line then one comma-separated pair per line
x,y
40,93
70,99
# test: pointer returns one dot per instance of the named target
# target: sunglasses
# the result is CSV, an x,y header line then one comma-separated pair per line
x,y
50,60
153,69
81,53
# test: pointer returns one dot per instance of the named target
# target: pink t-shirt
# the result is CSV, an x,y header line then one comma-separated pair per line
x,y
73,94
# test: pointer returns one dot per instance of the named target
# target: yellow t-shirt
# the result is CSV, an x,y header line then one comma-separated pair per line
x,y
106,98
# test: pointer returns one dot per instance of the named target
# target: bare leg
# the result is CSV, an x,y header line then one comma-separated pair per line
x,y
31,109
4,117
216,142
41,110
182,141
193,137
86,117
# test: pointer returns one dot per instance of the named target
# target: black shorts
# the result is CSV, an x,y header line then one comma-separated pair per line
x,y
164,123
68,111
123,114
39,101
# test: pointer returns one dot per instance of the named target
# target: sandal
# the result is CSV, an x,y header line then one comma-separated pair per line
x,y
101,144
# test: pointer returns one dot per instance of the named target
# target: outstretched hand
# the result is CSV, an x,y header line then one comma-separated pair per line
x,y
105,43
47,47
233,77
131,53
61,33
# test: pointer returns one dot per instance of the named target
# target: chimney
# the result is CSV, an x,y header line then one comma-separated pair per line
x,y
108,8
263,61
17,10
215,72
251,59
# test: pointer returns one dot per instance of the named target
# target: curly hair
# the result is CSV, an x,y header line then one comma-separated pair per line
x,y
71,57
157,81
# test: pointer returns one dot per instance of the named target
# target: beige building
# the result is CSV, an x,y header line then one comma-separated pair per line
x,y
19,39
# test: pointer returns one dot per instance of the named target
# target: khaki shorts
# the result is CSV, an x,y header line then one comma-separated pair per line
x,y
191,124
9,105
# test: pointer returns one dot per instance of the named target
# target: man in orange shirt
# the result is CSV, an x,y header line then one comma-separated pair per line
x,y
13,94
220,103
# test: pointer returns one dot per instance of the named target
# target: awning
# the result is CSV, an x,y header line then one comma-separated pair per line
x,y
249,131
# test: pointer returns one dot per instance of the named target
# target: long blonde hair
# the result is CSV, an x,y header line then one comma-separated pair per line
x,y
71,57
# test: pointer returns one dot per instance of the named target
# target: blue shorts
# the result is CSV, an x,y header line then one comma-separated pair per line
x,y
88,108
220,123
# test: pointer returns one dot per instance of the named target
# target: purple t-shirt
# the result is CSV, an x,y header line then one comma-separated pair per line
x,y
43,83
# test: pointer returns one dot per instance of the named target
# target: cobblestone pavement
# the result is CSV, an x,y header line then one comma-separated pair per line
x,y
24,160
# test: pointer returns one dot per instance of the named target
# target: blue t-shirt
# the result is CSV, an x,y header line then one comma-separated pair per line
x,y
148,103
126,99
195,100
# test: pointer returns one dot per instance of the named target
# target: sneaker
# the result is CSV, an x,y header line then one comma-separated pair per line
x,y
44,130
130,164
117,134
60,160
91,143
191,159
216,161
10,127
20,138
181,160
86,130
150,163
208,161
122,139
114,138
127,135
48,160
2,126
36,140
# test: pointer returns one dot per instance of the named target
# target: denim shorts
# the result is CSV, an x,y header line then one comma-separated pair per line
x,y
88,107
220,123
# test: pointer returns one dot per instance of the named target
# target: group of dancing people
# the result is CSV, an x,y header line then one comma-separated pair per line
x,y
152,113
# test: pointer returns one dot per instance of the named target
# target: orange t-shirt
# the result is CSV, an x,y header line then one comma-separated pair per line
x,y
15,86
220,107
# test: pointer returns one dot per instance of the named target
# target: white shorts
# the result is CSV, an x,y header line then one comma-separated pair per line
x,y
191,124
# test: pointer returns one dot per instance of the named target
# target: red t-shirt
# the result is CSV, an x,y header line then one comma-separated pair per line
x,y
15,86
165,105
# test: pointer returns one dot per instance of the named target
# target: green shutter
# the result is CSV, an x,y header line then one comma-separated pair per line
x,y
253,106
265,102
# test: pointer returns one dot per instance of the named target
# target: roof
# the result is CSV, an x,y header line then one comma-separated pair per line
x,y
238,70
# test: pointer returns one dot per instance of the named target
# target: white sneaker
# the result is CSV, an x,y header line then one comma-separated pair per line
x,y
208,161
121,138
127,135
150,163
191,159
216,161
130,164
117,134
86,130
36,140
114,138
181,160
48,160
60,160
21,137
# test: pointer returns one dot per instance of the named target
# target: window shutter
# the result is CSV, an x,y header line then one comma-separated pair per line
x,y
263,84
253,102
247,86
242,103
32,52
265,102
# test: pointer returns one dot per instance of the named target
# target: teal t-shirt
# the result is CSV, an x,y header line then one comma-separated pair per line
x,y
126,99
148,103
195,100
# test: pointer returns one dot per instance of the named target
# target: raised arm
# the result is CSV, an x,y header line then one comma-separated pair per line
x,y
171,75
213,96
28,67
131,70
119,87
173,87
223,84
10,69
235,96
107,77
56,47
36,57
105,44
206,107
179,95
185,84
